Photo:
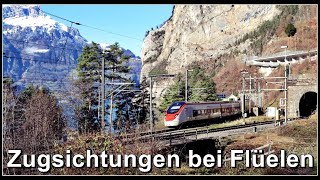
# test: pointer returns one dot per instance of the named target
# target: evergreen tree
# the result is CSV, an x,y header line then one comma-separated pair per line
x,y
140,102
89,73
196,79
175,92
116,71
117,67
290,30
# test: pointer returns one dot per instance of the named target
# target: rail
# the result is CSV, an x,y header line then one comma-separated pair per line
x,y
196,132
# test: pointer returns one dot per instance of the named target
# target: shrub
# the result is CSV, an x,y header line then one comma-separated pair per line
x,y
290,30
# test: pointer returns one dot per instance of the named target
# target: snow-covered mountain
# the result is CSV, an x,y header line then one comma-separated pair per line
x,y
38,49
42,51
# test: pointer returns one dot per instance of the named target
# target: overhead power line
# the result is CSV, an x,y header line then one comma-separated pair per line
x,y
88,26
112,32
80,24
60,17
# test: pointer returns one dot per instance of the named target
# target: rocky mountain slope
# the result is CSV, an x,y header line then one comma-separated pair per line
x,y
200,32
211,35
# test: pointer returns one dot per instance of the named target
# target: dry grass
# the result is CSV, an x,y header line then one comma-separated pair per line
x,y
159,125
301,131
314,116
228,78
111,145
248,120
299,137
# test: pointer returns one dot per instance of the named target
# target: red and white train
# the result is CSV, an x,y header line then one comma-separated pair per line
x,y
181,112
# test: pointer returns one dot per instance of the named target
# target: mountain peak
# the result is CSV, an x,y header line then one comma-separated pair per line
x,y
17,10
30,16
37,46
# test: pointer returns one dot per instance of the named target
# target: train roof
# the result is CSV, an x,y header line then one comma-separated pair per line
x,y
212,102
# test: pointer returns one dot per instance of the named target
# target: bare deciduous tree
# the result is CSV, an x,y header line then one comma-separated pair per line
x,y
33,123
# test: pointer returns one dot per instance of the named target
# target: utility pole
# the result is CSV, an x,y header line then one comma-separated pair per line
x,y
244,97
267,96
285,84
250,95
243,104
186,88
285,96
259,96
255,91
103,96
111,98
151,118
116,91
99,104
111,109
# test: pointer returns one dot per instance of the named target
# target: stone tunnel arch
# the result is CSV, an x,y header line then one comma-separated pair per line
x,y
308,103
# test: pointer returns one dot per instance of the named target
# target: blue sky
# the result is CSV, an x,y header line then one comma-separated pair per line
x,y
128,20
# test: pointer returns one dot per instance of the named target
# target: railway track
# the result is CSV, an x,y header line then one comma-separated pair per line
x,y
183,134
175,134
191,126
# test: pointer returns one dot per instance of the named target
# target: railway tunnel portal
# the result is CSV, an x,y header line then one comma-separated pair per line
x,y
302,99
308,103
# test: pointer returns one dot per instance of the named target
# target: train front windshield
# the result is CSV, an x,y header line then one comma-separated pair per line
x,y
175,107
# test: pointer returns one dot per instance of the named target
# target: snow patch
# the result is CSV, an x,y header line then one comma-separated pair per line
x,y
30,50
33,22
63,27
21,5
104,46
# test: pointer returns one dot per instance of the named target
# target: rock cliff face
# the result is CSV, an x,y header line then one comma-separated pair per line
x,y
196,33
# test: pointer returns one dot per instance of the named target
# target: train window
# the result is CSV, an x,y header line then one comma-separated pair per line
x,y
175,107
195,113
